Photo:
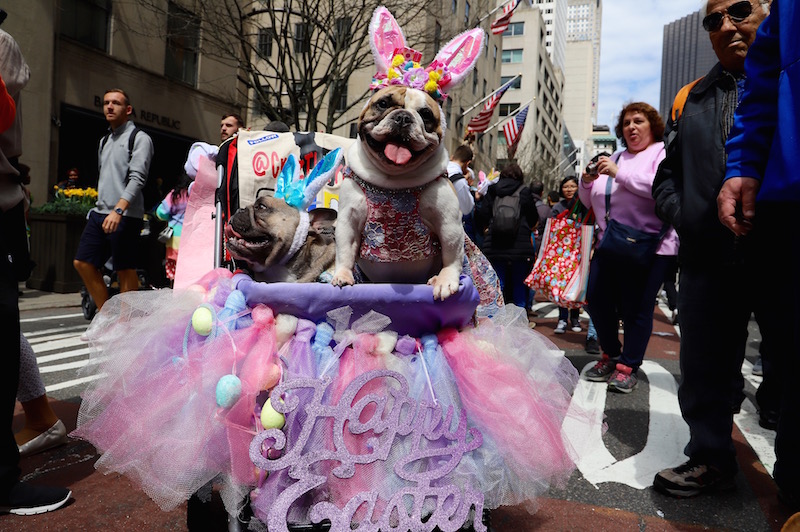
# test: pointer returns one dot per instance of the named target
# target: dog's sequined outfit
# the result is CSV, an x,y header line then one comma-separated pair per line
x,y
394,231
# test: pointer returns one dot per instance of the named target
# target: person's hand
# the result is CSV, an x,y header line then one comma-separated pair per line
x,y
588,178
737,204
111,222
606,166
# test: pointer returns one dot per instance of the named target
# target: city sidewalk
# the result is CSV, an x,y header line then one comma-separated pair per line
x,y
36,299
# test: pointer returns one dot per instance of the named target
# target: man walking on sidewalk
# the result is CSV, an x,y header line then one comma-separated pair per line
x,y
114,225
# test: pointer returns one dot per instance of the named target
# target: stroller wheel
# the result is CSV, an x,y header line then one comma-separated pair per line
x,y
87,304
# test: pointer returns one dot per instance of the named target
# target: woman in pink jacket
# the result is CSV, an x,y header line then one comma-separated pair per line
x,y
619,288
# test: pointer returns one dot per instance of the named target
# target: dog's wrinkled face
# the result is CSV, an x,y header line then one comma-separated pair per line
x,y
262,233
400,128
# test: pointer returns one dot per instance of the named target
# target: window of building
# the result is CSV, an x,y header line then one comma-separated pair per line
x,y
353,130
475,81
494,57
454,6
301,38
484,87
339,95
183,40
466,14
515,28
506,109
516,85
265,36
437,38
341,32
512,56
86,21
501,140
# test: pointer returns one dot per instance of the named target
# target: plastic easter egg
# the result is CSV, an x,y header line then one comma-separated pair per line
x,y
229,389
270,418
203,321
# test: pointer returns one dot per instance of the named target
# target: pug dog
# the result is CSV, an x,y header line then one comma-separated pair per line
x,y
261,234
399,218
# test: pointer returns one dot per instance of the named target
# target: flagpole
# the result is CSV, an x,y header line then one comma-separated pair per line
x,y
514,113
490,95
490,13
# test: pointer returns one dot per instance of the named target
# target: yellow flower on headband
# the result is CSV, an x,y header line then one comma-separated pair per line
x,y
398,60
431,86
434,75
392,74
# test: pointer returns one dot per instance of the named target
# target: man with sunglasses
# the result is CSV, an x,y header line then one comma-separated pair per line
x,y
760,200
714,310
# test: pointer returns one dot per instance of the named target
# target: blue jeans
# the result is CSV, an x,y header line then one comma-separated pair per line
x,y
512,274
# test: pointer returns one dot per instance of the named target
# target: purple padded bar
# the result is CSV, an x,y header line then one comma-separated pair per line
x,y
411,307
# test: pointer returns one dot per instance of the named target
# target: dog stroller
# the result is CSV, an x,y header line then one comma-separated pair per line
x,y
371,405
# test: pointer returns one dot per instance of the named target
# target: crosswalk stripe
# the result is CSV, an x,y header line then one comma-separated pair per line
x,y
73,382
71,365
64,343
73,329
53,337
61,356
42,318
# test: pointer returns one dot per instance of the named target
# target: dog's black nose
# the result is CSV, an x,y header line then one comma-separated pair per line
x,y
403,118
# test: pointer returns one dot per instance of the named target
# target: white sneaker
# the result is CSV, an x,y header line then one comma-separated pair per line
x,y
561,328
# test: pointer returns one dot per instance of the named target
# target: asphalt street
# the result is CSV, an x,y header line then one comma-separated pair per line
x,y
610,491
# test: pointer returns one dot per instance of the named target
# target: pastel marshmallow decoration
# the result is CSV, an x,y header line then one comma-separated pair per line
x,y
229,389
271,418
203,321
285,327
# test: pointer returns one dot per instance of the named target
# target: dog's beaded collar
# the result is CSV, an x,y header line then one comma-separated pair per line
x,y
349,173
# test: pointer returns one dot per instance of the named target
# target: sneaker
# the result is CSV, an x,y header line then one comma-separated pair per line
x,y
758,367
575,325
622,380
29,499
691,478
602,370
592,346
561,328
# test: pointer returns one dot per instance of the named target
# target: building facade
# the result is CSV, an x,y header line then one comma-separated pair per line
x,y
540,85
687,55
77,49
582,73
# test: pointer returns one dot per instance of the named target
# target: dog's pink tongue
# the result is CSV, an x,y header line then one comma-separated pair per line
x,y
397,154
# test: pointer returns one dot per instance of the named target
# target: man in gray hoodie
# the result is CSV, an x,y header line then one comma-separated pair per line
x,y
113,226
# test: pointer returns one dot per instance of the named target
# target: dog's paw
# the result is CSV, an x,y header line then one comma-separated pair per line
x,y
444,285
343,277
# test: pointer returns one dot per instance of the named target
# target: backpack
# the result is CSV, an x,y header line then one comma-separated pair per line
x,y
506,214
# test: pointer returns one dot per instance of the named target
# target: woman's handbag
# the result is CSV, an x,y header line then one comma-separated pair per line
x,y
561,270
165,234
628,243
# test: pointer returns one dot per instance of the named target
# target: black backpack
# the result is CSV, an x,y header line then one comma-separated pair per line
x,y
506,215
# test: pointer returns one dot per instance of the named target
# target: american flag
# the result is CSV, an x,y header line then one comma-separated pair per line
x,y
513,129
481,121
500,25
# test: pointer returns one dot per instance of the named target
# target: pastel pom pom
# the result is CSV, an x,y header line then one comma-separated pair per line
x,y
285,327
271,377
271,418
229,389
203,321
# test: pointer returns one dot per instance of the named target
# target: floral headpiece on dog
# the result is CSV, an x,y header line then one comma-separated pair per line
x,y
397,64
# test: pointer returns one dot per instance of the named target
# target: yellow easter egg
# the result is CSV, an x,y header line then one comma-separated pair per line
x,y
203,321
270,418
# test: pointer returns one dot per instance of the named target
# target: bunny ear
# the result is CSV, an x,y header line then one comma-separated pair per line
x,y
289,173
460,55
385,37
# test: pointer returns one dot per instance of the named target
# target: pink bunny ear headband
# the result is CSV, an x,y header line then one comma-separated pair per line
x,y
397,64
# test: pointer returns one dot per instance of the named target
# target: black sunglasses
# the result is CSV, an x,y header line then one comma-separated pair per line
x,y
737,13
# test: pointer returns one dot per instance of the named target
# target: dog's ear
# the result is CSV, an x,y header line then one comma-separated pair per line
x,y
385,37
460,56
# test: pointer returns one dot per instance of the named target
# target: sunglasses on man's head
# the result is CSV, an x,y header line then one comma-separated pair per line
x,y
737,13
